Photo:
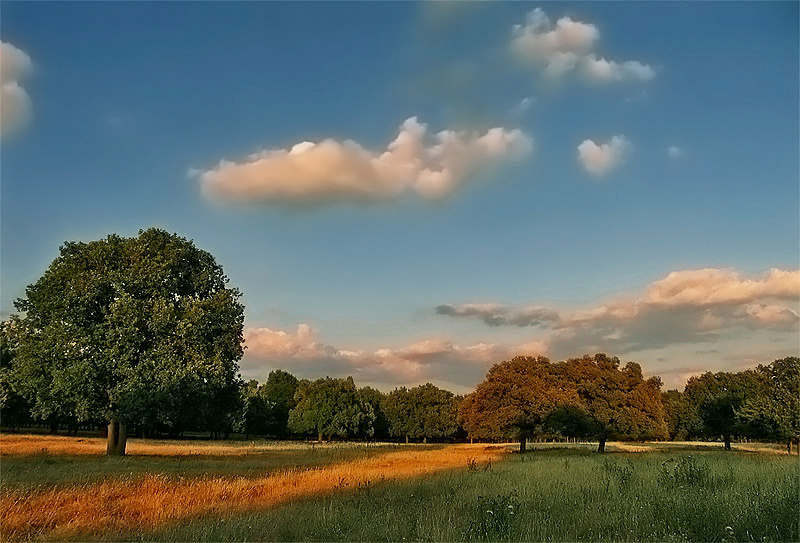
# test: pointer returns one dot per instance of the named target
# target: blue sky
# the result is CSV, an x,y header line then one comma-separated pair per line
x,y
520,178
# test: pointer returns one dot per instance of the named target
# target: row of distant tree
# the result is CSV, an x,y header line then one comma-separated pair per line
x,y
144,335
531,397
527,397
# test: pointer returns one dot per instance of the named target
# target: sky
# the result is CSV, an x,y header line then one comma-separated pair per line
x,y
410,192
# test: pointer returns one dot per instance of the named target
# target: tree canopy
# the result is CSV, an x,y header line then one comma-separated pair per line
x,y
425,411
718,397
514,399
589,396
331,407
136,330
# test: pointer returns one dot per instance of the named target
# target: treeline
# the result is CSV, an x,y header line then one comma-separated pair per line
x,y
587,398
144,335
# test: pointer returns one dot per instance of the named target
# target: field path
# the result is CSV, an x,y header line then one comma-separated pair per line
x,y
153,501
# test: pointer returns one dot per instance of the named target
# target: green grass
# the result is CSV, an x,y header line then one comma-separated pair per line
x,y
548,495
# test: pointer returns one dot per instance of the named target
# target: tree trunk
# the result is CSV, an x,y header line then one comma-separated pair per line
x,y
523,443
111,439
727,440
117,438
320,436
122,439
424,440
406,439
601,446
788,447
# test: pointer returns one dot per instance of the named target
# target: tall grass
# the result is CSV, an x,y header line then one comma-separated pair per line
x,y
122,504
544,496
262,491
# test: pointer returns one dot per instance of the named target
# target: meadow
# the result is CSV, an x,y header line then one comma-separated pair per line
x,y
60,488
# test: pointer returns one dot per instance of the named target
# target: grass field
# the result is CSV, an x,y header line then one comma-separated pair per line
x,y
58,488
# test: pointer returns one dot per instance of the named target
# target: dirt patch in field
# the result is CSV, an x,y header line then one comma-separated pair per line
x,y
153,501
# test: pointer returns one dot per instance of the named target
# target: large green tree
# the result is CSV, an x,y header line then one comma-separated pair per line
x,y
130,330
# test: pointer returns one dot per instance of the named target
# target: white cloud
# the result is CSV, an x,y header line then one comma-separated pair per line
x,y
568,46
333,171
606,71
601,159
15,104
675,152
524,105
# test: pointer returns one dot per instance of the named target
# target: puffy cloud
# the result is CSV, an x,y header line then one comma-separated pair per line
x,y
433,359
334,171
557,48
15,105
685,307
718,286
601,159
568,47
606,71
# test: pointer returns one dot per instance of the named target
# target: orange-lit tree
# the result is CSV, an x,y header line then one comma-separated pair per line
x,y
613,402
514,400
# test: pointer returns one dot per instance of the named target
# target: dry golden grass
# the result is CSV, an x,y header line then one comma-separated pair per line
x,y
152,501
29,444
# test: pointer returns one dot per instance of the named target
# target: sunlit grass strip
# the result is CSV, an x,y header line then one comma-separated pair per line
x,y
30,444
154,501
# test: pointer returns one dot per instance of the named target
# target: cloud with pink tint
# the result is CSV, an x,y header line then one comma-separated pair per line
x,y
433,359
568,46
600,159
719,286
344,171
15,104
689,306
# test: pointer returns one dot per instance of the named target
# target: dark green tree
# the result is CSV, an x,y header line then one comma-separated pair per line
x,y
717,398
376,399
279,392
14,409
331,407
682,421
422,412
131,331
773,412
